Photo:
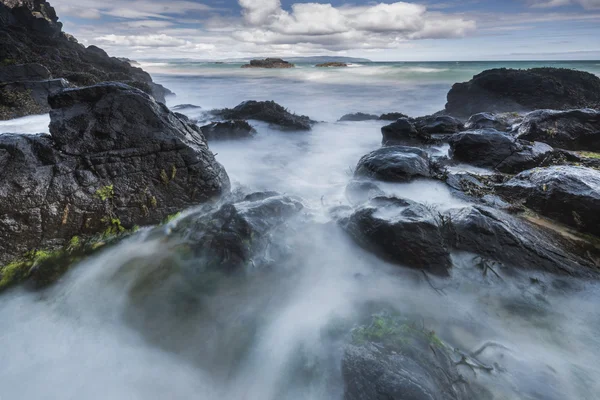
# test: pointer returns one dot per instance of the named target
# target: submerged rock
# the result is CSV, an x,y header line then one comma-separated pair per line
x,y
228,130
494,149
359,117
269,63
331,64
507,90
570,130
438,124
393,116
403,132
394,164
267,111
401,231
568,194
499,122
395,359
115,159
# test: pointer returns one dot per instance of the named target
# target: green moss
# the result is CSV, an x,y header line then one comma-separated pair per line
x,y
153,202
14,273
8,61
114,227
164,177
74,243
589,154
393,331
171,218
173,172
106,192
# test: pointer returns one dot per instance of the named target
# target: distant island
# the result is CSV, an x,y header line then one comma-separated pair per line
x,y
269,63
327,59
332,65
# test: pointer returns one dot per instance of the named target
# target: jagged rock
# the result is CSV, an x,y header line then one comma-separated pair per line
x,y
498,236
394,164
331,64
393,359
359,117
567,194
228,130
392,116
403,132
267,111
489,148
570,130
180,107
19,99
508,90
116,158
359,192
24,72
499,122
401,231
269,63
438,124
228,239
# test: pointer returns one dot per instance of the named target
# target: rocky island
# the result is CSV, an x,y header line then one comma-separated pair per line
x,y
331,65
269,63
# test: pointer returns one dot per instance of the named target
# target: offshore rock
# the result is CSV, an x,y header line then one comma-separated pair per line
x,y
267,111
394,164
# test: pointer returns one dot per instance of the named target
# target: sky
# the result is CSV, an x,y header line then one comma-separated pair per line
x,y
420,30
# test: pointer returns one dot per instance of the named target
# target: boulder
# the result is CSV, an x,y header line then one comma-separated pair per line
x,y
24,72
236,234
19,99
400,231
392,116
394,164
570,130
403,132
568,194
331,64
488,148
359,192
497,236
359,117
438,124
396,359
228,130
115,158
508,90
267,111
269,63
499,122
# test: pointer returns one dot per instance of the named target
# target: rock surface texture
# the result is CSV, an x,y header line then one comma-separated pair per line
x,y
394,164
115,158
267,111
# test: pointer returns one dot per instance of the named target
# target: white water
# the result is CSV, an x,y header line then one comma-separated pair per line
x,y
113,329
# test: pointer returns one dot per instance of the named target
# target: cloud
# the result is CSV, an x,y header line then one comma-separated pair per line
x,y
161,40
92,9
587,4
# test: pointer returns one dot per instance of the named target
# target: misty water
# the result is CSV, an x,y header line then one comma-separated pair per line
x,y
122,326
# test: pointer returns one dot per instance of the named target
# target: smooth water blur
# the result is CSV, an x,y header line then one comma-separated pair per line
x,y
118,328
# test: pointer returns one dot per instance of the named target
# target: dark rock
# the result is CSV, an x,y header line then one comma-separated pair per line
x,y
159,92
394,164
267,111
24,72
228,239
489,148
115,159
498,236
180,107
36,15
228,130
438,124
392,116
499,122
359,117
507,90
570,130
359,192
331,64
20,99
403,132
269,63
568,194
394,360
401,231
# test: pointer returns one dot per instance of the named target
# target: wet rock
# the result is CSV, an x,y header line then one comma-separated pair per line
x,y
499,122
392,116
269,63
359,117
115,159
403,132
228,130
19,99
180,107
438,124
235,235
24,72
570,130
568,194
359,192
401,231
394,164
508,90
267,111
331,64
498,236
493,149
394,359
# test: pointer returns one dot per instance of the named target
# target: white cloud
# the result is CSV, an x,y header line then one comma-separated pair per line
x,y
161,40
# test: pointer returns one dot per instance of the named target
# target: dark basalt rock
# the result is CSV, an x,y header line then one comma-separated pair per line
x,y
20,99
392,116
403,132
267,111
438,124
498,236
180,107
507,90
568,194
394,164
499,122
24,72
359,117
236,234
401,231
570,130
493,149
116,158
399,362
269,63
228,130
